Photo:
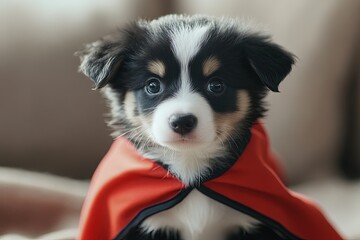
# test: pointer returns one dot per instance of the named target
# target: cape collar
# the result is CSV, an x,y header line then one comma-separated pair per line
x,y
127,188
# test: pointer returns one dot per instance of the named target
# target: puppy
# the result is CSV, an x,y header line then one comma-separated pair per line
x,y
186,92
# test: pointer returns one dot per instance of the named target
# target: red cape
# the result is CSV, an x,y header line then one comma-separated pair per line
x,y
126,188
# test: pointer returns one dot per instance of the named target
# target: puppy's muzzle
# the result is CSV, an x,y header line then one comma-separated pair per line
x,y
182,123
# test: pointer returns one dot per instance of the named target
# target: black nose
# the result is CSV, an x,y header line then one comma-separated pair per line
x,y
182,124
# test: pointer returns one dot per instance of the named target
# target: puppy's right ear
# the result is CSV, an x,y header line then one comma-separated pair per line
x,y
101,60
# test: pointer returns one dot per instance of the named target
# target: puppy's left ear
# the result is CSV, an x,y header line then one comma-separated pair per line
x,y
270,62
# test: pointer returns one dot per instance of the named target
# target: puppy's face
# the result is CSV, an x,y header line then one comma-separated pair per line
x,y
185,83
184,95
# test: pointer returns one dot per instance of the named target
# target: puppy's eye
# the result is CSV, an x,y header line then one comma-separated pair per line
x,y
153,86
216,86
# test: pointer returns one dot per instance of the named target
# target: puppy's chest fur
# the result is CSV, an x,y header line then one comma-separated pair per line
x,y
200,217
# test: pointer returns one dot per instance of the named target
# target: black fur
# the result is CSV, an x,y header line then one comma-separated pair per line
x,y
101,60
269,61
139,234
263,233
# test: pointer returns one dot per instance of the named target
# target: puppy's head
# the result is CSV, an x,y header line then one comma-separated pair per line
x,y
185,83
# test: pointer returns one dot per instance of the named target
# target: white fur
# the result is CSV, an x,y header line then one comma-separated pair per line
x,y
190,103
189,166
187,156
116,109
199,217
186,42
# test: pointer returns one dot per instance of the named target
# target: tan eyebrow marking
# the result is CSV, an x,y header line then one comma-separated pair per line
x,y
210,65
157,67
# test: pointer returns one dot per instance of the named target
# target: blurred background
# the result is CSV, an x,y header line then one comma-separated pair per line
x,y
52,130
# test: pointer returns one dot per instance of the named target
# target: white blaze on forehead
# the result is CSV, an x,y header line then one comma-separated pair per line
x,y
186,43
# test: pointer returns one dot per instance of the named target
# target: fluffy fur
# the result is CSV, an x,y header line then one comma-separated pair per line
x,y
183,90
